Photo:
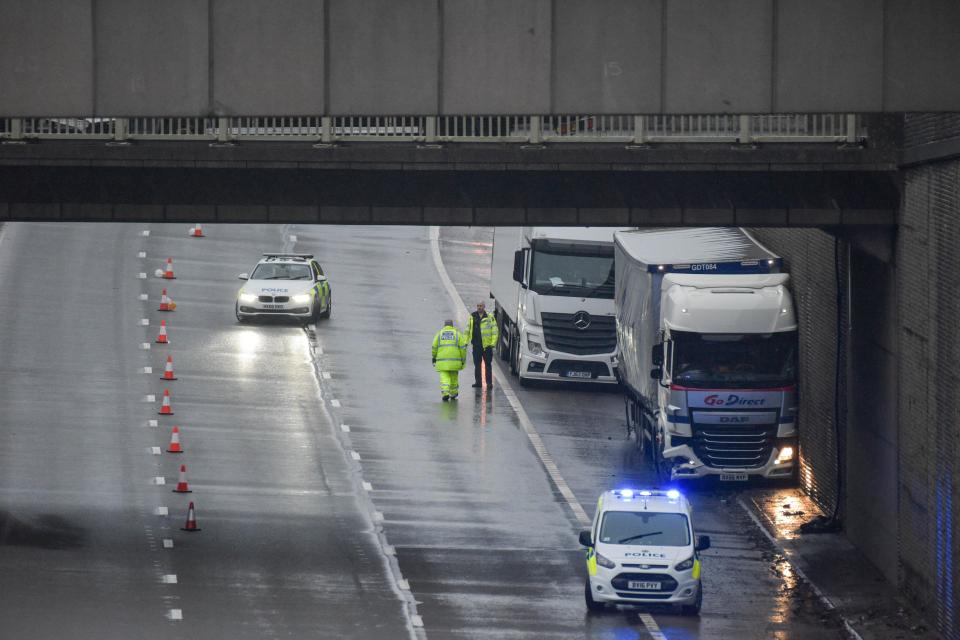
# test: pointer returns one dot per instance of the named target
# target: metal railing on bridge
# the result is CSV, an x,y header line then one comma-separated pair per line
x,y
522,129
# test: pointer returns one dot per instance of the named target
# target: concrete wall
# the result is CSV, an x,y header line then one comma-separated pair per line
x,y
366,57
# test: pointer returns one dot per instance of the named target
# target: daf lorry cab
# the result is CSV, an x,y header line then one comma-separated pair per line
x,y
641,549
708,346
553,289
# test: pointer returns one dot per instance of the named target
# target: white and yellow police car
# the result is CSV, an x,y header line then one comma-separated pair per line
x,y
642,549
286,285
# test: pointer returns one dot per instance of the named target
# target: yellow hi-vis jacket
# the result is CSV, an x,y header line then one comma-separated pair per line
x,y
489,331
449,349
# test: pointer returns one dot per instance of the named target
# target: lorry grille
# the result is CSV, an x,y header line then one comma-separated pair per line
x,y
565,367
561,334
733,447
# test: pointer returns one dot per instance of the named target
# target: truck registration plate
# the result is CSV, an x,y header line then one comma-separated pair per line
x,y
644,586
734,477
579,374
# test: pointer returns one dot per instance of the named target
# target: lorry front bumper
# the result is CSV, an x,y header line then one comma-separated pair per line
x,y
568,367
605,587
694,468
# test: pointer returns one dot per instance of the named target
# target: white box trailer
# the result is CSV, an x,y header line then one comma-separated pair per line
x,y
553,291
708,353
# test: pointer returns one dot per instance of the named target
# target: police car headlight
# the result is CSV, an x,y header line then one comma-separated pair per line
x,y
605,562
303,298
686,565
247,297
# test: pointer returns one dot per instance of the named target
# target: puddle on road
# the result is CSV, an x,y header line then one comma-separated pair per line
x,y
46,531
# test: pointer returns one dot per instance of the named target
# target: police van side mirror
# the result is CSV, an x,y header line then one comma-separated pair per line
x,y
656,355
585,539
703,543
243,276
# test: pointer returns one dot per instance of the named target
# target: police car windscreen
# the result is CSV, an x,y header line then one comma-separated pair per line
x,y
282,272
645,528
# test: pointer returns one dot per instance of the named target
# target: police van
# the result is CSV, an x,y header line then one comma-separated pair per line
x,y
289,285
642,549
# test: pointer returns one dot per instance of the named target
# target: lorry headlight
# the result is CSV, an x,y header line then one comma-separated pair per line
x,y
785,455
605,562
534,347
685,565
248,297
303,298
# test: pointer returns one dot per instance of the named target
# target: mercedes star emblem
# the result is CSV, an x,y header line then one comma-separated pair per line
x,y
581,320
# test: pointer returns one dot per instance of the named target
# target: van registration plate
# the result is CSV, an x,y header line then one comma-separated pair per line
x,y
643,586
579,374
733,477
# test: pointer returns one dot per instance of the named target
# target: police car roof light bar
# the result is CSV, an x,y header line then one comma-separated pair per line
x,y
302,256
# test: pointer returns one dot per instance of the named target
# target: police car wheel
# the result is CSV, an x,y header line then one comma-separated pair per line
x,y
592,605
240,318
693,609
326,312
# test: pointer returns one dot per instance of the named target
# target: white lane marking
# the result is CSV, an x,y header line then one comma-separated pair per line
x,y
145,322
159,480
142,254
390,550
161,511
150,398
326,375
404,584
545,458
293,238
148,369
345,428
354,455
155,451
153,423
377,516
170,578
144,296
827,602
175,614
367,486
167,543
142,276
652,627
145,346
335,403
145,233
417,621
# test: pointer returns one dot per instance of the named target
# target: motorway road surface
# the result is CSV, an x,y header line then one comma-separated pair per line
x,y
337,496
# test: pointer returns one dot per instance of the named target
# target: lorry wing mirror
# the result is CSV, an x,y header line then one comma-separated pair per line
x,y
518,266
656,374
703,543
585,539
656,355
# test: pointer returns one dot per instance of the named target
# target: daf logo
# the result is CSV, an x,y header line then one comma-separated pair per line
x,y
581,320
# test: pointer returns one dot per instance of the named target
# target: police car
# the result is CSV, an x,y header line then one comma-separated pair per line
x,y
642,550
285,284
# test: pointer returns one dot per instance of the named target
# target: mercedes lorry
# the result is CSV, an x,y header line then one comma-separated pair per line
x,y
553,300
708,353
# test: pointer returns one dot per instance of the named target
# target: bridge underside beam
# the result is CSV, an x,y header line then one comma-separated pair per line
x,y
649,198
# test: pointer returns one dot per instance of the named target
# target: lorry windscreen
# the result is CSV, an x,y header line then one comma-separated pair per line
x,y
584,271
735,361
653,529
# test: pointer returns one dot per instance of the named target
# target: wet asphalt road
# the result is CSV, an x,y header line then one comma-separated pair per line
x,y
337,495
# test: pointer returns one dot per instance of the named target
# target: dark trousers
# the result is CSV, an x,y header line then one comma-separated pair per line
x,y
482,355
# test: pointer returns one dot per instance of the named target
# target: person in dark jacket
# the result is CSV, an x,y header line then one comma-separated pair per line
x,y
483,334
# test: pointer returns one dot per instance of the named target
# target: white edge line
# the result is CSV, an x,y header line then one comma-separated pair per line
x,y
820,595
541,450
652,627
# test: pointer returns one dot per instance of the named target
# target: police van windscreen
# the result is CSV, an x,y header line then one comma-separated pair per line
x,y
734,361
570,269
281,271
645,528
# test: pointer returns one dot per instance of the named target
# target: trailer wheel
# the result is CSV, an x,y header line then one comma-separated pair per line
x,y
514,353
627,409
659,463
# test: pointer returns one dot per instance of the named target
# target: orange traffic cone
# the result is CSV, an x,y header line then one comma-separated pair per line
x,y
168,273
168,370
162,336
191,520
196,232
165,408
175,441
166,304
182,486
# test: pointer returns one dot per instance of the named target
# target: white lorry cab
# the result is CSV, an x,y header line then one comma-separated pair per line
x,y
642,549
553,289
